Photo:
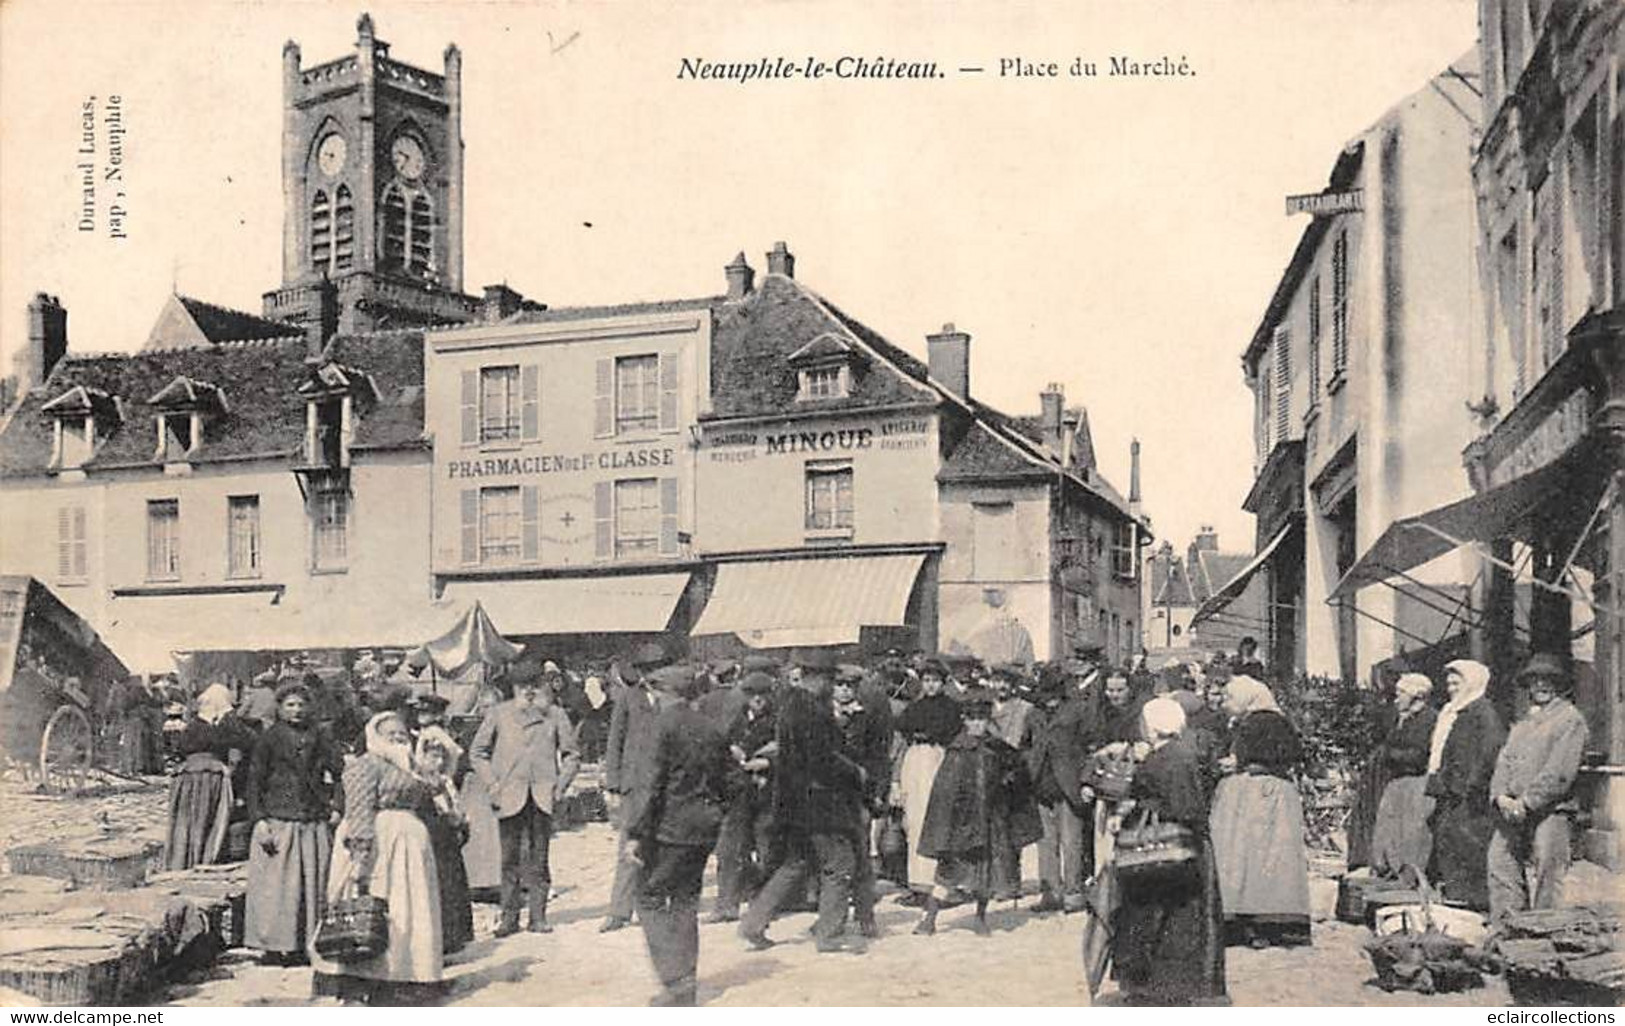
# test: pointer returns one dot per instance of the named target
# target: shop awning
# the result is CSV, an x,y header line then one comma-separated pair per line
x,y
619,604
1233,588
782,603
1568,485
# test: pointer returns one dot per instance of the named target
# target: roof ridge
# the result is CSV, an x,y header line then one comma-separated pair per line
x,y
183,297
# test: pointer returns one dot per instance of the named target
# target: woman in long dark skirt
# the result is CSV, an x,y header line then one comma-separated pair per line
x,y
202,795
1467,739
1399,836
436,762
1168,935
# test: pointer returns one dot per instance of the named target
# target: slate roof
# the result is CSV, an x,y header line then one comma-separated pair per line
x,y
576,313
223,324
266,415
1217,570
1169,584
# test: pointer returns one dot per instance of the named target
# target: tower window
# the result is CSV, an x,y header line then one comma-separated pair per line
x,y
321,232
343,229
394,227
422,232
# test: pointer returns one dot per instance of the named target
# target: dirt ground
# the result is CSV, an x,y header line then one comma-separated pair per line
x,y
1029,960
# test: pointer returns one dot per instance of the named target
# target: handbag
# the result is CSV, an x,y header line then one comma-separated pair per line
x,y
354,927
1111,772
1154,850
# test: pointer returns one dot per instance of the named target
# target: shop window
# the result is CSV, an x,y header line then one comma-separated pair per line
x,y
71,544
637,518
829,496
163,539
243,536
499,526
330,526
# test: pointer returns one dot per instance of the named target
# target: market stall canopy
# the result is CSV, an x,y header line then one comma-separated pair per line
x,y
783,603
1233,588
474,640
610,604
32,618
1513,510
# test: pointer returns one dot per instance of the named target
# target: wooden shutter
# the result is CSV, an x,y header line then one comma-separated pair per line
x,y
471,407
603,413
64,542
471,525
603,517
530,524
668,516
80,542
1283,382
530,402
669,372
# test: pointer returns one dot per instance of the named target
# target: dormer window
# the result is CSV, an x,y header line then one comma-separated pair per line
x,y
830,382
335,396
81,416
825,368
184,407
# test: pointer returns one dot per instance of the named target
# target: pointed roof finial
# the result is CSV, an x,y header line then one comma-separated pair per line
x,y
363,26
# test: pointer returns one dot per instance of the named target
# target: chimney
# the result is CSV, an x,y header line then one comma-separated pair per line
x,y
47,341
1207,539
741,279
501,302
948,359
1052,405
781,261
1134,477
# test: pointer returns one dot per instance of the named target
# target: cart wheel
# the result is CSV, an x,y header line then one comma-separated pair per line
x,y
66,751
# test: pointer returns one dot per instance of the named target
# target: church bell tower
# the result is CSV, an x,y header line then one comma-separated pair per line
x,y
372,186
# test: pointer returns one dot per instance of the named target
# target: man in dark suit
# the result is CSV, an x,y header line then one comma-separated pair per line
x,y
630,743
672,822
818,790
525,755
1062,743
745,844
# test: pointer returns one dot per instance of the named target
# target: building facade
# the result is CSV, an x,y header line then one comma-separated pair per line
x,y
379,450
1204,602
1351,370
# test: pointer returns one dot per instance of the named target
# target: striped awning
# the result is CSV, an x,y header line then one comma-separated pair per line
x,y
825,600
612,604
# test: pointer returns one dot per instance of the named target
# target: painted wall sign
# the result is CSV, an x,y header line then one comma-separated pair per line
x,y
526,466
1562,428
744,446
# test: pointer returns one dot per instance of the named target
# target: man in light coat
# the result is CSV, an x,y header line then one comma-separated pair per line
x,y
1532,794
525,754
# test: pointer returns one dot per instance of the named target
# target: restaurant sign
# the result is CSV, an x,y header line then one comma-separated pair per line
x,y
1325,204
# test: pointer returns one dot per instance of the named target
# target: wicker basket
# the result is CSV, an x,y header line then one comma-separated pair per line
x,y
109,865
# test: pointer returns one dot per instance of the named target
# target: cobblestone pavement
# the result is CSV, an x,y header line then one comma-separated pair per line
x,y
1029,960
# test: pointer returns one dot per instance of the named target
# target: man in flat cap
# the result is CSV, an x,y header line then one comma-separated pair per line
x,y
1532,793
816,791
863,712
672,821
525,754
630,743
744,846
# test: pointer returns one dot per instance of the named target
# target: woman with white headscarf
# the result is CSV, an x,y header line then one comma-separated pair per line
x,y
382,847
1462,751
1399,835
1258,823
1168,934
201,796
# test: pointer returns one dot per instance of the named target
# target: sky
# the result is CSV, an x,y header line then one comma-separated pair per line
x,y
1120,236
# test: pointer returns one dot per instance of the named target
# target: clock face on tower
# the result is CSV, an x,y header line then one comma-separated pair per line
x,y
407,156
330,155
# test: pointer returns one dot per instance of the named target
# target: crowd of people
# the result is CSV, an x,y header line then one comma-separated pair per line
x,y
808,779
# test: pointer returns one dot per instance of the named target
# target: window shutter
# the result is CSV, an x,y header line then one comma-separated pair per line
x,y
668,391
1283,382
668,516
471,407
530,402
80,542
603,515
530,534
603,418
471,525
64,542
